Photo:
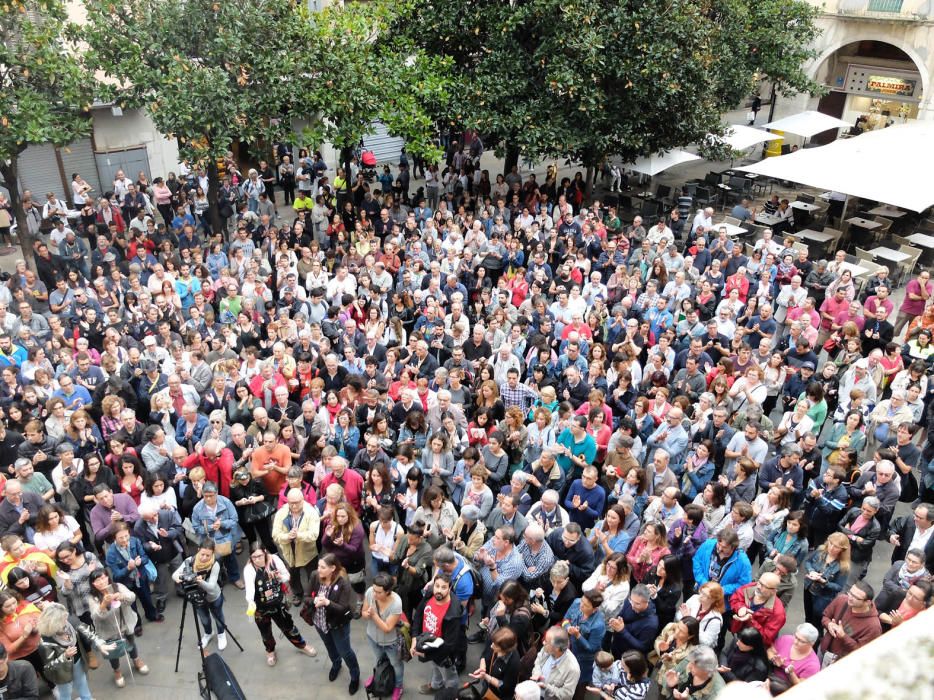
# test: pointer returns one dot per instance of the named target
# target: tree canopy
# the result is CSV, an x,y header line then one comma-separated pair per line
x,y
587,78
44,92
214,73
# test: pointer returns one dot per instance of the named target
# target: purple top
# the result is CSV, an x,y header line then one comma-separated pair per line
x,y
101,523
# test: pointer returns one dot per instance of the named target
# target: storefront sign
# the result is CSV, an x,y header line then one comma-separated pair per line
x,y
890,85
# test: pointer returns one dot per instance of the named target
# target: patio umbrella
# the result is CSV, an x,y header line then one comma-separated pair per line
x,y
651,165
739,137
890,165
807,123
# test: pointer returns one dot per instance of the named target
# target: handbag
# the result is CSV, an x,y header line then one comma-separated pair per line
x,y
150,570
223,549
475,689
258,512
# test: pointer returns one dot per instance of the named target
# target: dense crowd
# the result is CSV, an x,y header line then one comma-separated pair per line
x,y
613,451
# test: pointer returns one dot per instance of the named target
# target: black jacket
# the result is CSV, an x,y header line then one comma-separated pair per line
x,y
172,546
861,551
9,516
339,593
580,557
452,632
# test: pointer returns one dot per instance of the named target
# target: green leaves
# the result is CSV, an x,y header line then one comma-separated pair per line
x,y
582,79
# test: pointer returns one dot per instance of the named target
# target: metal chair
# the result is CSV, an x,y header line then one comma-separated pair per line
x,y
703,197
863,254
806,198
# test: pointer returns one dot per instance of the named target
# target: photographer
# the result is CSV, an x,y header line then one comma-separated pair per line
x,y
266,577
198,577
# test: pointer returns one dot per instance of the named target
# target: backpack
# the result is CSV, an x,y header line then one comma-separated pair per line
x,y
477,585
405,632
383,682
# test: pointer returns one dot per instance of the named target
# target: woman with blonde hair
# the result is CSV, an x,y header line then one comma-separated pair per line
x,y
343,537
611,579
488,397
707,607
825,573
111,406
83,434
65,646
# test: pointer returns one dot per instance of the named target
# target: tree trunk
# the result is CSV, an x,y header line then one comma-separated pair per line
x,y
214,188
511,158
9,171
589,180
343,196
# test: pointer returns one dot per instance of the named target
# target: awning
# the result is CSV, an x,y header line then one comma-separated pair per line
x,y
807,124
652,165
740,137
890,165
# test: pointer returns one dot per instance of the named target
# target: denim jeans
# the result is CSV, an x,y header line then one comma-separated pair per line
x,y
232,567
78,684
215,610
443,676
337,642
393,653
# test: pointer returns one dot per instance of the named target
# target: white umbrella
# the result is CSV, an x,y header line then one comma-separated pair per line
x,y
651,165
890,165
807,123
739,137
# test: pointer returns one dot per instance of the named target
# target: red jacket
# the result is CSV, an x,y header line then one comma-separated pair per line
x,y
116,218
219,470
256,385
769,619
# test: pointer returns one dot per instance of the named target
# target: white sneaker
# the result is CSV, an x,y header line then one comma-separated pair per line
x,y
206,639
221,641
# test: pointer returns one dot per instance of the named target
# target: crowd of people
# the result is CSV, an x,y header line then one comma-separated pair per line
x,y
609,453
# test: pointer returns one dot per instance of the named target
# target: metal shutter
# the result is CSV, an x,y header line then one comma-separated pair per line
x,y
79,158
386,148
129,160
38,173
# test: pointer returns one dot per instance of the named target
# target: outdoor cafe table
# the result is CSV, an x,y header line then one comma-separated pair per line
x,y
816,236
887,212
863,223
895,256
921,239
767,219
855,270
805,206
732,230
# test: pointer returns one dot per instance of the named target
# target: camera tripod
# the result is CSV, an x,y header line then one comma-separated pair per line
x,y
181,632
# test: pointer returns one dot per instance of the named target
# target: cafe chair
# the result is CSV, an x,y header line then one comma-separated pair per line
x,y
806,198
883,231
864,255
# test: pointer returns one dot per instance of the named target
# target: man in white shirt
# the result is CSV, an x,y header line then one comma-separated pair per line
x,y
704,217
121,185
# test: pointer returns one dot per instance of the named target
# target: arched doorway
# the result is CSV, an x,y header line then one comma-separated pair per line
x,y
872,84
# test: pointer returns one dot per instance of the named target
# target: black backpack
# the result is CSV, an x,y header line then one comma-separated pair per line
x,y
384,679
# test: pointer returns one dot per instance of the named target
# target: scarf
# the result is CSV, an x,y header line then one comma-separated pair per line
x,y
906,579
198,568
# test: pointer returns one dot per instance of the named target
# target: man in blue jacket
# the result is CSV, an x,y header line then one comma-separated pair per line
x,y
722,561
635,626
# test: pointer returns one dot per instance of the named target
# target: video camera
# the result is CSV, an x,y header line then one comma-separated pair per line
x,y
192,589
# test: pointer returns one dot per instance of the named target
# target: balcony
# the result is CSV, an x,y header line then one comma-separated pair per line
x,y
880,10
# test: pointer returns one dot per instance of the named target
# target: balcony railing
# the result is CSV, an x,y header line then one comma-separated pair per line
x,y
884,6
891,10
